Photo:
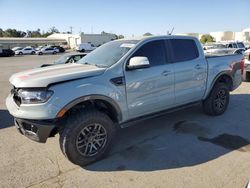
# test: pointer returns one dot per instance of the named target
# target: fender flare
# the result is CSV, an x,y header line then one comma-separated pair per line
x,y
95,97
218,76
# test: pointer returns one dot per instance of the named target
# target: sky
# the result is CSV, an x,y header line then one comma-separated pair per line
x,y
126,17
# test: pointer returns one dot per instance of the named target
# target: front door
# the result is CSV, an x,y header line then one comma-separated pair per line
x,y
150,89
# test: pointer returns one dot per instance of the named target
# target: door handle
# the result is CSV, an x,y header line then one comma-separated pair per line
x,y
165,73
198,67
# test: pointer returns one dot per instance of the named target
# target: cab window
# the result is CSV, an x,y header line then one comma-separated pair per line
x,y
154,51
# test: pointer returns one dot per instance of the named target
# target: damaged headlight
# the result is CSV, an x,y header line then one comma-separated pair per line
x,y
34,96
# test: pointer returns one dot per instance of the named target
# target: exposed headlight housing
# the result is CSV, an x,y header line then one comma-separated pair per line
x,y
34,96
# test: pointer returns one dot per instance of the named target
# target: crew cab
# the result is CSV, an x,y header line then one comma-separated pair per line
x,y
118,84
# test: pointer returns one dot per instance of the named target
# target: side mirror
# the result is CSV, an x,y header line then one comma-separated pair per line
x,y
138,63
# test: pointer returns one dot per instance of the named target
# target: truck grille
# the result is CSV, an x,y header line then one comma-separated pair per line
x,y
16,97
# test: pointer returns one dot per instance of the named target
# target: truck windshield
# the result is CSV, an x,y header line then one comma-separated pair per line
x,y
109,53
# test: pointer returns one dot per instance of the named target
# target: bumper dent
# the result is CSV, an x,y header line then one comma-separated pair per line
x,y
35,130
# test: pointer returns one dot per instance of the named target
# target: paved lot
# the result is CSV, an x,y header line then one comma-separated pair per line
x,y
182,149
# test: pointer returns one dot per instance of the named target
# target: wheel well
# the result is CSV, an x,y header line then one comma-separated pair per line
x,y
98,104
225,79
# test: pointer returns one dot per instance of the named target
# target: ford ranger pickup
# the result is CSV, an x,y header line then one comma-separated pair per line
x,y
120,82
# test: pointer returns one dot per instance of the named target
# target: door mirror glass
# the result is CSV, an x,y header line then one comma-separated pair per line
x,y
138,63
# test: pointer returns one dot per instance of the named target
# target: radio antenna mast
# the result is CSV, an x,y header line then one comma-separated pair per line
x,y
170,33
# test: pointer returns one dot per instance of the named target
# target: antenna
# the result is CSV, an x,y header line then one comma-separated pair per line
x,y
170,33
71,29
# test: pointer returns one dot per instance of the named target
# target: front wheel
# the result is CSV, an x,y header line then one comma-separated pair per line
x,y
217,101
87,136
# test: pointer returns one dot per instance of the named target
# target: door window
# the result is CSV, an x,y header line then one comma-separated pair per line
x,y
155,52
184,50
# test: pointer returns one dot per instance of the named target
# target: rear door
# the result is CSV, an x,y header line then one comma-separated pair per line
x,y
150,89
190,71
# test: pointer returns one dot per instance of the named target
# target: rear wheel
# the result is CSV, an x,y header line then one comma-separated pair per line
x,y
40,53
20,53
54,52
87,136
82,50
217,101
32,53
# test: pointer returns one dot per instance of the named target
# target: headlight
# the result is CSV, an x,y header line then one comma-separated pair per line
x,y
32,96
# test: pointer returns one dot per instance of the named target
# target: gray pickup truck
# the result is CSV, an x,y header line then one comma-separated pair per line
x,y
121,82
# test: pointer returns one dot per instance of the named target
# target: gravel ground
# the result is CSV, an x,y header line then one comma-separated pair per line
x,y
181,149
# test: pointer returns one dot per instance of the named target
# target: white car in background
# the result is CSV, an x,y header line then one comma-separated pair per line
x,y
46,50
85,47
17,48
26,50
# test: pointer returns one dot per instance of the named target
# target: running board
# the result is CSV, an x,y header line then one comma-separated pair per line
x,y
153,115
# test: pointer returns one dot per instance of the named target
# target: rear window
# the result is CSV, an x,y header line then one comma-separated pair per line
x,y
184,49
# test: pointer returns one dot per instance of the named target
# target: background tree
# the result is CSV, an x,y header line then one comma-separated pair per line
x,y
120,37
13,33
206,38
36,33
1,32
147,34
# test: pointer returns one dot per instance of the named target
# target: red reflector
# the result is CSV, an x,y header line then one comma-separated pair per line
x,y
242,66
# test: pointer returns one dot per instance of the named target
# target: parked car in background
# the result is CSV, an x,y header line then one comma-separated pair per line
x,y
6,53
46,50
26,50
220,45
59,49
209,46
67,59
120,82
225,51
239,45
39,48
17,48
83,47
246,73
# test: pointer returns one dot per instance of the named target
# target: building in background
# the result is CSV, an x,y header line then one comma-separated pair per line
x,y
74,40
197,35
243,35
220,36
23,42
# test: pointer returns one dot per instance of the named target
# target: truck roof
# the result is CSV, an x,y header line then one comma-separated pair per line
x,y
140,38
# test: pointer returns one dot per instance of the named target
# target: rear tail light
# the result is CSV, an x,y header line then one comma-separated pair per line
x,y
242,66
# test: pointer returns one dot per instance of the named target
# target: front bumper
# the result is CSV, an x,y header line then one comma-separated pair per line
x,y
35,130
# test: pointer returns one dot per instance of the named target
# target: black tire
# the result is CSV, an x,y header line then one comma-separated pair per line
x,y
40,53
32,53
20,53
83,50
54,52
217,101
74,125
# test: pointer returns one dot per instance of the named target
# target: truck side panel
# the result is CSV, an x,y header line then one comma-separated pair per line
x,y
223,65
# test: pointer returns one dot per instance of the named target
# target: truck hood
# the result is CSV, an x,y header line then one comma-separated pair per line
x,y
42,77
